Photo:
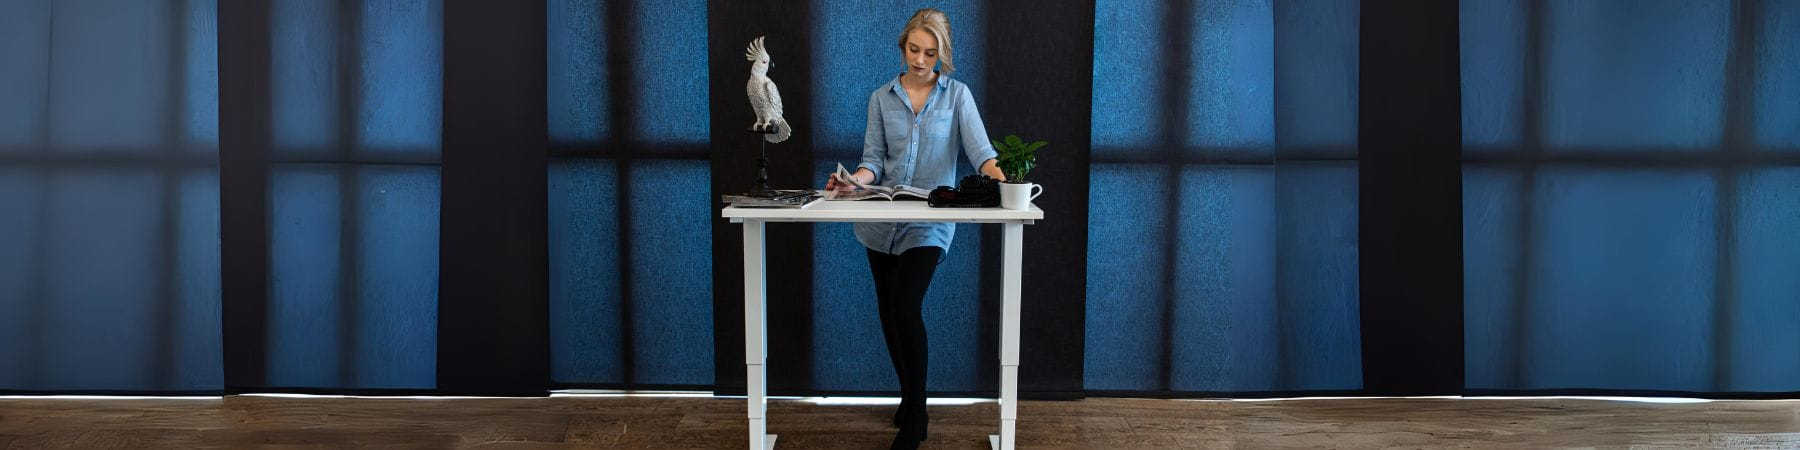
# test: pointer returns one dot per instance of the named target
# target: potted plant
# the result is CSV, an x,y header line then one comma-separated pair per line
x,y
1017,158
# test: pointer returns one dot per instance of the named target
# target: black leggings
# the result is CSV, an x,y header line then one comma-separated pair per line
x,y
900,284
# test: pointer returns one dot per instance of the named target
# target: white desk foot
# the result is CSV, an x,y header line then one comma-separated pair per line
x,y
1004,440
756,431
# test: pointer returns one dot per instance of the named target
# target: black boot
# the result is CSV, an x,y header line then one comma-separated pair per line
x,y
901,413
913,429
905,411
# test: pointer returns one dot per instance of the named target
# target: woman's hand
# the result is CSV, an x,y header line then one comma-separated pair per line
x,y
832,183
991,168
864,176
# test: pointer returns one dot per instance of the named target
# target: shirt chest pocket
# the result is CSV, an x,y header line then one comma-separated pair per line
x,y
939,124
898,125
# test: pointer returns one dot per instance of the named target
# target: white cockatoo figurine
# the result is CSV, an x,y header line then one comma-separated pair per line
x,y
764,98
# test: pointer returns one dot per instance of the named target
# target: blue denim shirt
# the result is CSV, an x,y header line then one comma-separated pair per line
x,y
919,150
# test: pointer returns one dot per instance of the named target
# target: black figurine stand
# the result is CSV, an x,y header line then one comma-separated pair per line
x,y
761,190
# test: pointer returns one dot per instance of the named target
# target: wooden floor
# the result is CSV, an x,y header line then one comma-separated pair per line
x,y
704,422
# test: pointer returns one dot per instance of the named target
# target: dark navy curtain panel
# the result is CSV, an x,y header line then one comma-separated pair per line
x,y
463,196
1630,195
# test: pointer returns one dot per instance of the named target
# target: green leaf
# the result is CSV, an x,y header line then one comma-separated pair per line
x,y
1036,145
1014,141
998,146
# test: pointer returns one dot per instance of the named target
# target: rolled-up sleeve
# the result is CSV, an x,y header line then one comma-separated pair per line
x,y
974,133
874,140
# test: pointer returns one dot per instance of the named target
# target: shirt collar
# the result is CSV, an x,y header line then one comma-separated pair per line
x,y
943,81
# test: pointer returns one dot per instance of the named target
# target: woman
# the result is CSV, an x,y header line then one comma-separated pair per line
x,y
918,123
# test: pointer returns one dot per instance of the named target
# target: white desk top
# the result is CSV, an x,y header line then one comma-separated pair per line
x,y
882,211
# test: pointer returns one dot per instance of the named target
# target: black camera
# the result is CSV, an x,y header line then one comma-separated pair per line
x,y
972,191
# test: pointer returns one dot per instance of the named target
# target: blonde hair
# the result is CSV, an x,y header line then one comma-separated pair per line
x,y
935,22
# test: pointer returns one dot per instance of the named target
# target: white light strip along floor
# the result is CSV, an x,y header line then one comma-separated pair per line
x,y
878,401
395,397
602,393
106,397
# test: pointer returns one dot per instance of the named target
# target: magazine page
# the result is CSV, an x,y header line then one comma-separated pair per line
x,y
847,177
781,199
866,191
902,192
861,194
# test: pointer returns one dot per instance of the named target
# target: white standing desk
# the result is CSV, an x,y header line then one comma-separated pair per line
x,y
756,313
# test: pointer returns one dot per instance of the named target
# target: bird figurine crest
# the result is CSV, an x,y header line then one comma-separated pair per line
x,y
764,98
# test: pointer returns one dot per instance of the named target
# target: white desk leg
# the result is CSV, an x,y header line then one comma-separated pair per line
x,y
756,335
1012,247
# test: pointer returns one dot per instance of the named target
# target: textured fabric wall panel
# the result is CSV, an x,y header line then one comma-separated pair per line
x,y
25,45
1491,252
97,106
195,328
1766,318
586,343
303,68
401,86
21,241
383,333
1623,272
1129,115
668,53
1777,60
578,72
1316,260
113,281
1493,49
1626,76
1128,259
671,274
304,272
200,57
101,280
1613,277
1316,75
632,308
1231,90
1225,330
397,276
1188,288
848,350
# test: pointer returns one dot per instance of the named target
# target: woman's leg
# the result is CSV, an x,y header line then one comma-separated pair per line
x,y
911,280
881,266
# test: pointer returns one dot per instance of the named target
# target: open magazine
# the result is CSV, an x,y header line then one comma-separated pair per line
x,y
778,199
867,192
